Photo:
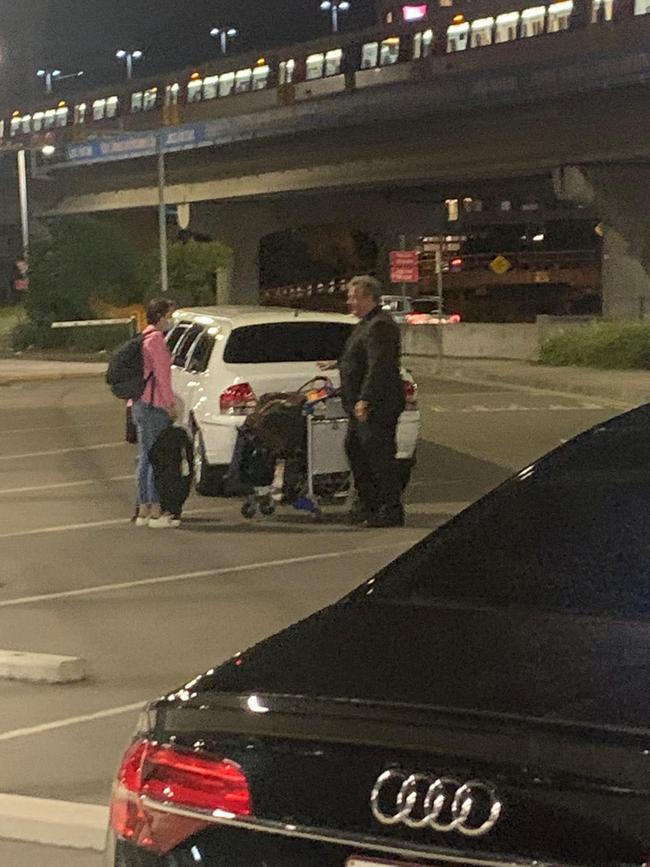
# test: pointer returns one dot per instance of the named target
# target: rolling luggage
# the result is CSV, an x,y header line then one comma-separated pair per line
x,y
172,459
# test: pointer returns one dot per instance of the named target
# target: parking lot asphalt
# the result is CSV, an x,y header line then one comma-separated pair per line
x,y
148,610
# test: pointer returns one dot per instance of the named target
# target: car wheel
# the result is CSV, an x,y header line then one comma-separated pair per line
x,y
404,470
209,479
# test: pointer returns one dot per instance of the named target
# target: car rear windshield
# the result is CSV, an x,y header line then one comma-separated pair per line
x,y
286,341
570,533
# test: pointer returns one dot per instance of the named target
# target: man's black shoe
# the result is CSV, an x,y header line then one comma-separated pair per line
x,y
392,518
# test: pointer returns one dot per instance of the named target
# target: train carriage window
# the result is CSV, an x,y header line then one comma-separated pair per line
x,y
194,90
150,99
601,10
532,21
15,126
172,93
104,108
389,51
314,66
559,15
287,71
422,44
50,119
37,121
457,37
136,101
111,106
243,79
482,30
61,118
506,27
369,55
26,123
333,61
80,113
260,77
2,129
211,87
641,7
226,83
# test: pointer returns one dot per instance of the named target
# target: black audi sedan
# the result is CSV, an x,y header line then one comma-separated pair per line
x,y
484,700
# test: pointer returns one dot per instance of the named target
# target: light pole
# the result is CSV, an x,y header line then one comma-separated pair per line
x,y
223,34
334,7
128,57
49,76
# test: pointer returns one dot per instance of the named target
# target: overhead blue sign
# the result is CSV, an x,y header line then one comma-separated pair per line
x,y
129,145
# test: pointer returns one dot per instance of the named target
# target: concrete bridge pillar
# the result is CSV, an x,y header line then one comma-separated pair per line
x,y
619,195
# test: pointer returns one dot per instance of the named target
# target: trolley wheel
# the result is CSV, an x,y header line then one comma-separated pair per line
x,y
249,510
267,507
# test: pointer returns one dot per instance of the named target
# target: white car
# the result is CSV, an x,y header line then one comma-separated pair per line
x,y
224,358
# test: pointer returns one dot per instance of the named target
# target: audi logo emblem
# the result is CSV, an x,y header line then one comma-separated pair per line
x,y
441,803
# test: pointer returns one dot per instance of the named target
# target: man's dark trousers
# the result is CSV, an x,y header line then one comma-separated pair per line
x,y
371,447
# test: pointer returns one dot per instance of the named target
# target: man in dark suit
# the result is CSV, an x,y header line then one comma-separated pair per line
x,y
373,396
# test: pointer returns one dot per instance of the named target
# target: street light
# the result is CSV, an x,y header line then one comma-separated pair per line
x,y
49,76
223,34
334,7
128,57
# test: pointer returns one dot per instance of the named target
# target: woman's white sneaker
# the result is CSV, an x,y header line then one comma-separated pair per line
x,y
164,522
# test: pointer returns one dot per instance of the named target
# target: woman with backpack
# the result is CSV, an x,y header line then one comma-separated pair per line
x,y
154,411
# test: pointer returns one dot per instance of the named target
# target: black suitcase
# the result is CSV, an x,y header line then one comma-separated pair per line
x,y
172,459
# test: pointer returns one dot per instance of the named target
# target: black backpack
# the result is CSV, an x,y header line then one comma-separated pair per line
x,y
125,374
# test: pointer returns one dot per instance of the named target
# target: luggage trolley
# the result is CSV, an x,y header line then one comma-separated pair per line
x,y
328,474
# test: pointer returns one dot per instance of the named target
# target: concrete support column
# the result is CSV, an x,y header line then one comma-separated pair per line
x,y
618,193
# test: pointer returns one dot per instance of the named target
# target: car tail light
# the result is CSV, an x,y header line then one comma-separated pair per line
x,y
238,399
410,394
178,778
455,317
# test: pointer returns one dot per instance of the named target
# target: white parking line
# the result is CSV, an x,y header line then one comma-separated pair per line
x,y
69,721
91,525
33,488
45,454
18,430
204,573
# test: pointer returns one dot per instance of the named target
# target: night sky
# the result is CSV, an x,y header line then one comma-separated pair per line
x,y
175,33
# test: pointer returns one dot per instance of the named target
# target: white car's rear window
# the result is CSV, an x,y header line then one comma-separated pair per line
x,y
286,341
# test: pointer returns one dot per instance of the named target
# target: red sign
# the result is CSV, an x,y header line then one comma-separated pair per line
x,y
404,266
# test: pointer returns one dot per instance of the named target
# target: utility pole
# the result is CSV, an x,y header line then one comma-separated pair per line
x,y
162,220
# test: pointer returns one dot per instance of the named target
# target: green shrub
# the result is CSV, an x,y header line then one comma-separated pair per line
x,y
192,269
79,259
92,338
605,345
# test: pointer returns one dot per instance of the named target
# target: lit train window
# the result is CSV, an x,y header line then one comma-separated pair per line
x,y
243,78
641,7
333,61
559,15
16,123
111,106
2,129
211,87
37,121
601,10
260,77
287,71
506,27
26,124
314,66
61,116
226,83
457,37
369,55
422,44
50,119
532,21
482,30
194,90
105,108
149,99
136,101
80,113
389,51
172,92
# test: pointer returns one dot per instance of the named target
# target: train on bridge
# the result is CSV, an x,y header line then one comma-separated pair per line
x,y
399,50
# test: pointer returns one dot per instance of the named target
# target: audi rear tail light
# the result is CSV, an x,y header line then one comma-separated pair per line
x,y
238,399
151,774
410,394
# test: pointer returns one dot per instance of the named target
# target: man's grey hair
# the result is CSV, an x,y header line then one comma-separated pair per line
x,y
367,286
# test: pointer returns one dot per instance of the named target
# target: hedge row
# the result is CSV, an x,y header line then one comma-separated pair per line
x,y
94,338
606,345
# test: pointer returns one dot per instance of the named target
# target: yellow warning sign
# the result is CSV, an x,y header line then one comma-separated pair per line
x,y
500,265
